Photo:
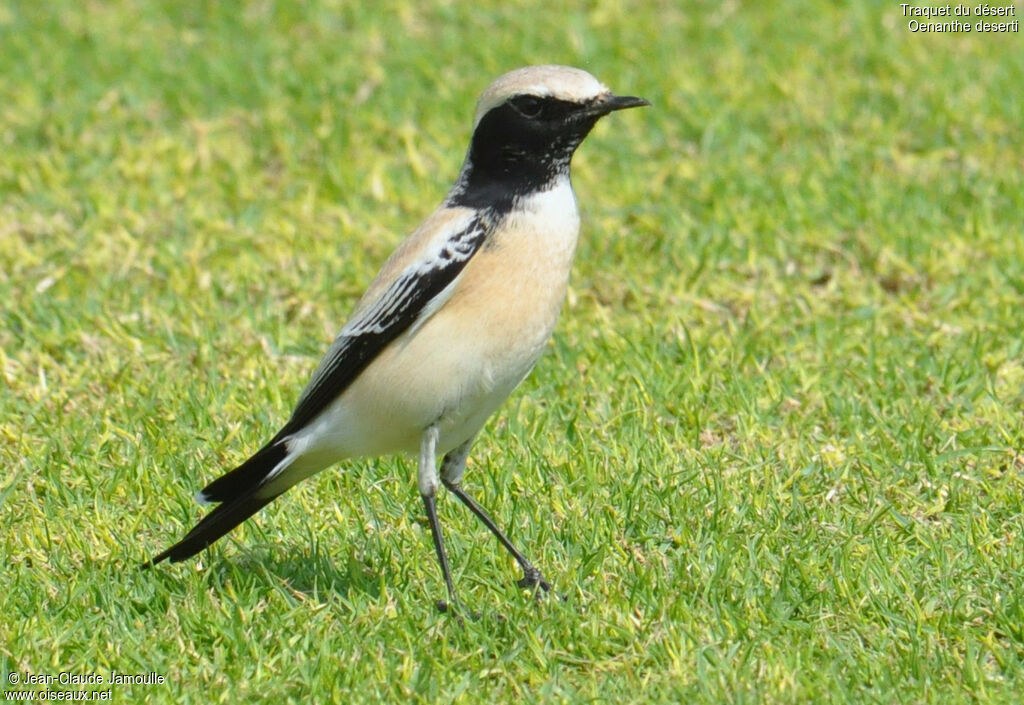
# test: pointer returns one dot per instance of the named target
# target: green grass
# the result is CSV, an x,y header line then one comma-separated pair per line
x,y
774,454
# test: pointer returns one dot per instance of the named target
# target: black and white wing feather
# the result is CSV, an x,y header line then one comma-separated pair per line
x,y
408,302
416,292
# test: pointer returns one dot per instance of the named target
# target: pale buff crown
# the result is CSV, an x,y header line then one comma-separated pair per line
x,y
562,82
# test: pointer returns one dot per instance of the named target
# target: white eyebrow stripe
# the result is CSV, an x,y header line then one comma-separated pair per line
x,y
562,82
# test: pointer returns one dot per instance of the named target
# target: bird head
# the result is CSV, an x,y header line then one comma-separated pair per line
x,y
530,121
547,97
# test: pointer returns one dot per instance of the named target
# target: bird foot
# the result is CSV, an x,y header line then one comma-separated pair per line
x,y
446,607
533,579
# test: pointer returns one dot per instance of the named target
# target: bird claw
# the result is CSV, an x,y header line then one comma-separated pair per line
x,y
445,607
533,579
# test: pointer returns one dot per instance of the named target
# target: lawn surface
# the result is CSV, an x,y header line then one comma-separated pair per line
x,y
774,454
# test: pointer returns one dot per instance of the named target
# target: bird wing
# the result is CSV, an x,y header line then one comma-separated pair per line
x,y
418,287
413,284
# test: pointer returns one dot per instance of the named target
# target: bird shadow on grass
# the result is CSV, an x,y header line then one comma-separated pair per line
x,y
312,571
307,573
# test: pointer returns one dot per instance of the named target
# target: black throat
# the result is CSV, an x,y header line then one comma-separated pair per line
x,y
512,155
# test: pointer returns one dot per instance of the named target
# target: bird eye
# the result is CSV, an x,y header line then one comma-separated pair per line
x,y
527,105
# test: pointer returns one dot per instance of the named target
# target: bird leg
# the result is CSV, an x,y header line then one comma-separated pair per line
x,y
452,468
427,477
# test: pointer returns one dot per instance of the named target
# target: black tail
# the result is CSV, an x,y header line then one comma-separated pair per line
x,y
247,476
237,490
214,525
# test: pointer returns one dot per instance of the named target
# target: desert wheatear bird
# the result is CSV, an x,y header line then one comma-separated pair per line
x,y
453,322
